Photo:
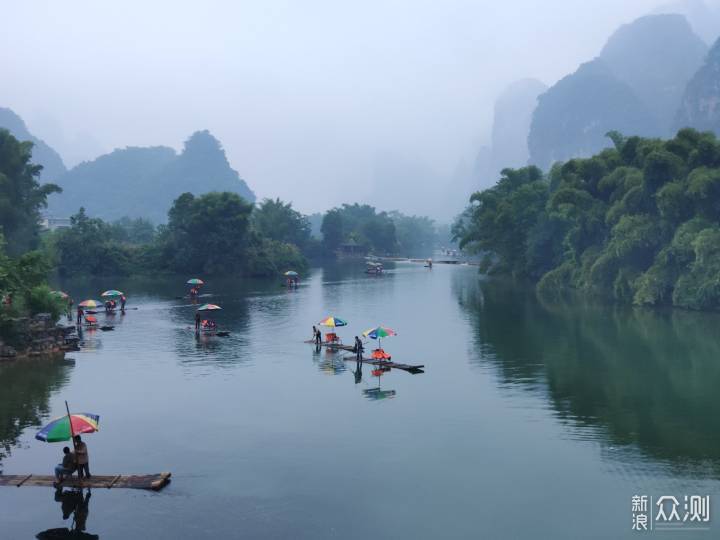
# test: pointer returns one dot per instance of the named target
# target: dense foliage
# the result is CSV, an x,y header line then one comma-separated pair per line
x,y
639,222
92,246
209,234
278,221
381,233
23,290
21,195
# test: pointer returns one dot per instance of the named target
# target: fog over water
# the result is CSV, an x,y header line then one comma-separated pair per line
x,y
318,102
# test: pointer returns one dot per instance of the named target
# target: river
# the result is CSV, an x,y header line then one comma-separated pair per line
x,y
532,420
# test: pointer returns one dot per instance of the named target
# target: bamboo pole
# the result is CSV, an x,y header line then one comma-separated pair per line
x,y
72,434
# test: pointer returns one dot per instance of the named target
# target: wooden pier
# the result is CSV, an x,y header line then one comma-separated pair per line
x,y
154,482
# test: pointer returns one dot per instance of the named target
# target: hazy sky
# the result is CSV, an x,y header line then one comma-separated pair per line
x,y
306,96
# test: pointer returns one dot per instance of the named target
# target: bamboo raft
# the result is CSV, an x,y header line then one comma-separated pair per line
x,y
153,482
386,363
389,364
332,345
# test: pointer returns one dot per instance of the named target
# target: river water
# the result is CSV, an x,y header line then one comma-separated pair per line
x,y
532,420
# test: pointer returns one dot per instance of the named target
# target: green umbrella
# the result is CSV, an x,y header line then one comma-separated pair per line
x,y
209,307
112,293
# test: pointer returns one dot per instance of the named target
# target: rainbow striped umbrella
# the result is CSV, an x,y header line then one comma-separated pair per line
x,y
209,307
379,332
333,322
59,429
291,273
195,281
60,294
90,304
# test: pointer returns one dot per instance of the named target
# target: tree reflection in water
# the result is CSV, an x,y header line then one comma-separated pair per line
x,y
26,388
642,377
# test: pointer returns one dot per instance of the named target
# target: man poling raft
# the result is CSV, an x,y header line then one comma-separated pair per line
x,y
195,284
378,356
207,326
68,428
292,279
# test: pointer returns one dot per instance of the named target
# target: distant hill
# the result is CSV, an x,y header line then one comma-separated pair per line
x,y
574,115
700,106
53,166
143,182
635,87
511,124
704,17
656,56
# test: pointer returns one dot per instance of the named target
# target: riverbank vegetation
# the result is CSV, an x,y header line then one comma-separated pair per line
x,y
214,233
23,268
638,222
382,233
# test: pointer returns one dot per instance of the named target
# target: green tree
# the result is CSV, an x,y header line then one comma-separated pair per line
x,y
207,234
278,221
89,246
332,229
639,222
21,195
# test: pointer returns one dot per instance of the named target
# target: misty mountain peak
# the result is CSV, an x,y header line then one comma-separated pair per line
x,y
511,123
43,154
203,144
700,107
656,56
704,17
143,182
574,115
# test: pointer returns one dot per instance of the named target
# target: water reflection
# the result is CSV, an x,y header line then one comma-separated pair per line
x,y
377,393
636,377
74,505
26,387
329,361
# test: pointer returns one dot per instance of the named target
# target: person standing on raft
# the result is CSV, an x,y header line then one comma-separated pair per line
x,y
358,349
198,320
80,314
122,303
318,337
81,457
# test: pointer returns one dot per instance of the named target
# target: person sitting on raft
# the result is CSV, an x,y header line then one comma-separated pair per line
x,y
209,325
67,467
379,354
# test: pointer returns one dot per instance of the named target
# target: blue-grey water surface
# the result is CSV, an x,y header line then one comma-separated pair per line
x,y
532,420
